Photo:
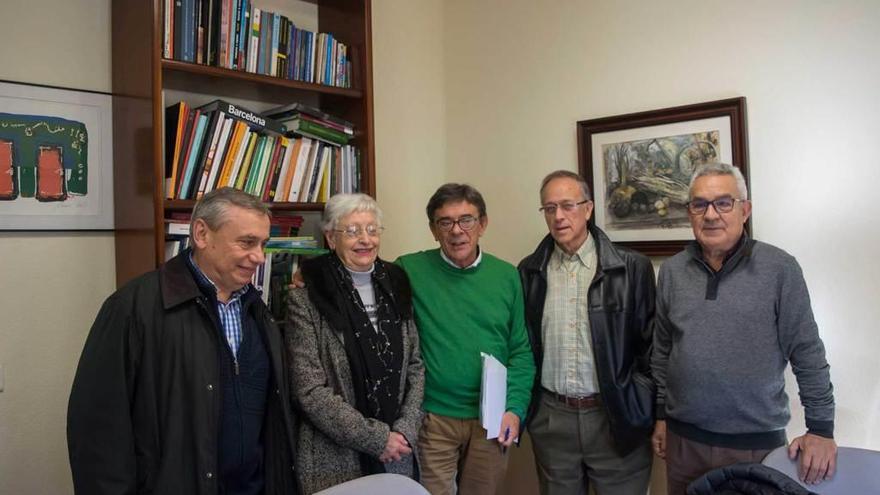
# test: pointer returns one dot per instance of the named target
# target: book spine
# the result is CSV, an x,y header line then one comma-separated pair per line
x,y
334,136
238,159
254,48
242,176
168,29
189,172
243,34
273,170
301,166
192,119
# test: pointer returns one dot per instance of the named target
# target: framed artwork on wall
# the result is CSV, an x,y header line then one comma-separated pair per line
x,y
639,165
56,158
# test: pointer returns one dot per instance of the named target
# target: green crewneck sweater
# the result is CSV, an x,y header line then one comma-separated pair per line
x,y
461,313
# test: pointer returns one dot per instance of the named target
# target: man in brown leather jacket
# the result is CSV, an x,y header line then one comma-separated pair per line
x,y
589,306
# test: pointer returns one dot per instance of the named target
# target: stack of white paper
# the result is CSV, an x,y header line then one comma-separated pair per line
x,y
493,395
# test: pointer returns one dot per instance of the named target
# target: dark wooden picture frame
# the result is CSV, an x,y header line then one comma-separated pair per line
x,y
659,148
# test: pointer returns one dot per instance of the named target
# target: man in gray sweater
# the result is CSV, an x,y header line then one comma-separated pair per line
x,y
731,313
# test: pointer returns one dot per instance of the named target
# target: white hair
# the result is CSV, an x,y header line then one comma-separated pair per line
x,y
340,206
716,168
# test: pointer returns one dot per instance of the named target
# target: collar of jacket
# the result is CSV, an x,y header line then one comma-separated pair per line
x,y
177,282
607,256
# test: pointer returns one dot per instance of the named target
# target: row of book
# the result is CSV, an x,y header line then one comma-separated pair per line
x,y
221,145
236,34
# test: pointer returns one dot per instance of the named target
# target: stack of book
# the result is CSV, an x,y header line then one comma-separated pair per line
x,y
235,34
285,226
311,122
220,145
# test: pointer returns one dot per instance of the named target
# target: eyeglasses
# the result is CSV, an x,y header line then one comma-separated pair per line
x,y
355,231
723,204
549,209
467,223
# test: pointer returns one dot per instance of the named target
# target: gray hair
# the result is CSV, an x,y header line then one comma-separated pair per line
x,y
566,174
716,168
340,206
212,208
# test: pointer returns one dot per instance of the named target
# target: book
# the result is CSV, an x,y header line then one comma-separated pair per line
x,y
293,154
175,123
229,179
271,177
311,162
205,164
310,194
254,40
186,149
254,169
222,131
237,136
316,131
189,178
292,110
176,228
241,176
277,192
302,165
256,121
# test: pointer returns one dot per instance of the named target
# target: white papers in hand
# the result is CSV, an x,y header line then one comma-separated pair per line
x,y
493,395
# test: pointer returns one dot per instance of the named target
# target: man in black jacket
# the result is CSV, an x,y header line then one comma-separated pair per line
x,y
181,388
589,306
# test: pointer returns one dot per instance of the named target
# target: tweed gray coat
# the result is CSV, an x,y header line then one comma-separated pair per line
x,y
331,431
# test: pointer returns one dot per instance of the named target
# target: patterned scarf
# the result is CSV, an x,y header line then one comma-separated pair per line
x,y
375,354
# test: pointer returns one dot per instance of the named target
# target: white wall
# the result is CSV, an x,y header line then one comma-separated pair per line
x,y
52,283
410,121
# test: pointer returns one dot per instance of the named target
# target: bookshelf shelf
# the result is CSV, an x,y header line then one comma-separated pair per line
x,y
178,205
144,83
227,74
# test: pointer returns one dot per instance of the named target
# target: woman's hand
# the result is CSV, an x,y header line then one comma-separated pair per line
x,y
395,448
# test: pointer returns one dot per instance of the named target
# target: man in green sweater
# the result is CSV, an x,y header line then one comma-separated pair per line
x,y
466,301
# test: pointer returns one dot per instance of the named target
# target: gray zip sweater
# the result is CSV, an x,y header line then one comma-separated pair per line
x,y
722,341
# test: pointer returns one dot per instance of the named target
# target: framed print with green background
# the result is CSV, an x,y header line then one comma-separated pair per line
x,y
639,165
56,159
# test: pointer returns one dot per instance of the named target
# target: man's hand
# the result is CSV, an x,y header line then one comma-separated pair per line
x,y
658,439
818,457
395,448
509,429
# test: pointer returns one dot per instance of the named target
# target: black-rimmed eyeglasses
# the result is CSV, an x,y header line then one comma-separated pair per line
x,y
466,223
723,204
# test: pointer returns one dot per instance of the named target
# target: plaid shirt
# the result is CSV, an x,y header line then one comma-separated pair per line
x,y
230,312
569,367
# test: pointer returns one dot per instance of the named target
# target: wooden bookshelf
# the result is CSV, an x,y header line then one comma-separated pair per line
x,y
140,78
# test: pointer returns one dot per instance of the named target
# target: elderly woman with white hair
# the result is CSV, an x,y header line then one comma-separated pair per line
x,y
353,355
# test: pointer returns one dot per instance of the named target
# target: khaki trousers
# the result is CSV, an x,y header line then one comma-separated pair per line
x,y
456,452
687,460
574,449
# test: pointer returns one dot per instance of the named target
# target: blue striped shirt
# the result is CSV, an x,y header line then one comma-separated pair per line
x,y
230,312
